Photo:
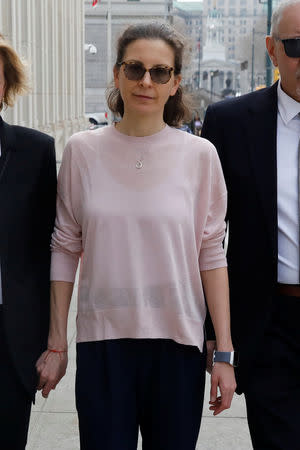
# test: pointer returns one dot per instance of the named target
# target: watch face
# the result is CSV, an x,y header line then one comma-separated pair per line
x,y
235,359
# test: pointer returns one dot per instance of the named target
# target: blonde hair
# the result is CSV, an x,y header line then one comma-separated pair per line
x,y
15,74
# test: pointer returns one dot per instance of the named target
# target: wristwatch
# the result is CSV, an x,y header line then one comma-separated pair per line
x,y
231,358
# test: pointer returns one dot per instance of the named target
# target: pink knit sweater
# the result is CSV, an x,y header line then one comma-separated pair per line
x,y
143,234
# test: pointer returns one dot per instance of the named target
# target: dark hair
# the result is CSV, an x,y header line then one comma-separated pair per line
x,y
16,82
177,109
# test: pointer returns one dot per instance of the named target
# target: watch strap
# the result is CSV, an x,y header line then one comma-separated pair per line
x,y
227,357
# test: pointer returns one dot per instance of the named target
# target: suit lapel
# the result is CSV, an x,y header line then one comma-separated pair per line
x,y
8,144
262,138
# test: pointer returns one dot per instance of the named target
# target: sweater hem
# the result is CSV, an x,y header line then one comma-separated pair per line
x,y
139,323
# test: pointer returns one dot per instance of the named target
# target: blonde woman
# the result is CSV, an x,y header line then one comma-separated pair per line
x,y
27,199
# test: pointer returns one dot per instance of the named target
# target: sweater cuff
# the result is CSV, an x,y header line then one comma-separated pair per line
x,y
63,266
207,261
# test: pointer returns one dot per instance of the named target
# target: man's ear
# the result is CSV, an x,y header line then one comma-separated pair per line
x,y
272,49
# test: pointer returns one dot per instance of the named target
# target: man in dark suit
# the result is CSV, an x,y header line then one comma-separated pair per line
x,y
257,137
27,199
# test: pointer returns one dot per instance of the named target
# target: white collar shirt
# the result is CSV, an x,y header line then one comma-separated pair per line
x,y
288,135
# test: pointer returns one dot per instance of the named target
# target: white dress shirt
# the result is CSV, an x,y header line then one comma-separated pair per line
x,y
288,135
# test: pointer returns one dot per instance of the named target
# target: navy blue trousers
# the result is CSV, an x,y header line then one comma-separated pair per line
x,y
273,390
123,385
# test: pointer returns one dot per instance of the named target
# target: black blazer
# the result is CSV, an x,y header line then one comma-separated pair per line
x,y
27,201
244,131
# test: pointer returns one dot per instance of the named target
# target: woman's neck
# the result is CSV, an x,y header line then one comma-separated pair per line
x,y
142,126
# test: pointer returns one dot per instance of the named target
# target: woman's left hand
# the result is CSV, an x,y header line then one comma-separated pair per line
x,y
222,377
51,367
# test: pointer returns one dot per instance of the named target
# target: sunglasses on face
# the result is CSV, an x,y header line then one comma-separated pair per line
x,y
291,47
135,71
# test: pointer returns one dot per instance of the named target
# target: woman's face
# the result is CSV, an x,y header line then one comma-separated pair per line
x,y
2,80
145,97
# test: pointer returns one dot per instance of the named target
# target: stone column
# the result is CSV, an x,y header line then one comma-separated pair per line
x,y
49,34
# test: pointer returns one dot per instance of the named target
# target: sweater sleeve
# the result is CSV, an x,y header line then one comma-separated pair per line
x,y
66,244
212,255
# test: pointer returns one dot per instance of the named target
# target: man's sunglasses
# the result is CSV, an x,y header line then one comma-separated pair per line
x,y
135,71
291,47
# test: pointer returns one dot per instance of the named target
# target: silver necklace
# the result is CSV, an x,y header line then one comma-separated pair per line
x,y
139,164
140,161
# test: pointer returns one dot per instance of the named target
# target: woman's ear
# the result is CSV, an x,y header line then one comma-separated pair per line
x,y
176,83
116,76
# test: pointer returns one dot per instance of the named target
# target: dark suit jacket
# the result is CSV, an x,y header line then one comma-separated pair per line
x,y
27,201
244,131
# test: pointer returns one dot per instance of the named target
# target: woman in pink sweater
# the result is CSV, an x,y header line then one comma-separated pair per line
x,y
142,206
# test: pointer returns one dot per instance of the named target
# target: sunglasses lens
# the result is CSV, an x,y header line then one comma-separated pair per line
x,y
134,71
160,75
292,47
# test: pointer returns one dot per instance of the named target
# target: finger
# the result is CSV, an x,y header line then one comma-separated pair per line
x,y
225,403
41,381
216,402
47,388
40,385
215,405
213,389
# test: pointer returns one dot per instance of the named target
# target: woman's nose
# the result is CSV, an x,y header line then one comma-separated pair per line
x,y
146,80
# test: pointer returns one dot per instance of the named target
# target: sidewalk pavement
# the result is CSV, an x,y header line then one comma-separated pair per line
x,y
54,423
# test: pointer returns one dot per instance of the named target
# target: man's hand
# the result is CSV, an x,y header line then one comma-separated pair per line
x,y
210,347
222,377
51,367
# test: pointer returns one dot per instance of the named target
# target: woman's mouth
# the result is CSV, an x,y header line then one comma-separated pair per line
x,y
146,97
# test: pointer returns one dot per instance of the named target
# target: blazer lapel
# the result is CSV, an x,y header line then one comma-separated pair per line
x,y
7,139
262,138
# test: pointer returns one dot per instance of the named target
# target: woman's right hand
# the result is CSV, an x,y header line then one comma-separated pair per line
x,y
51,367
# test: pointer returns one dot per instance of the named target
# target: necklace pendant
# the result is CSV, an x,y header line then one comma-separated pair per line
x,y
139,164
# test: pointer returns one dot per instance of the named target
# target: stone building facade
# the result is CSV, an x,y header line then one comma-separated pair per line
x,y
49,35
